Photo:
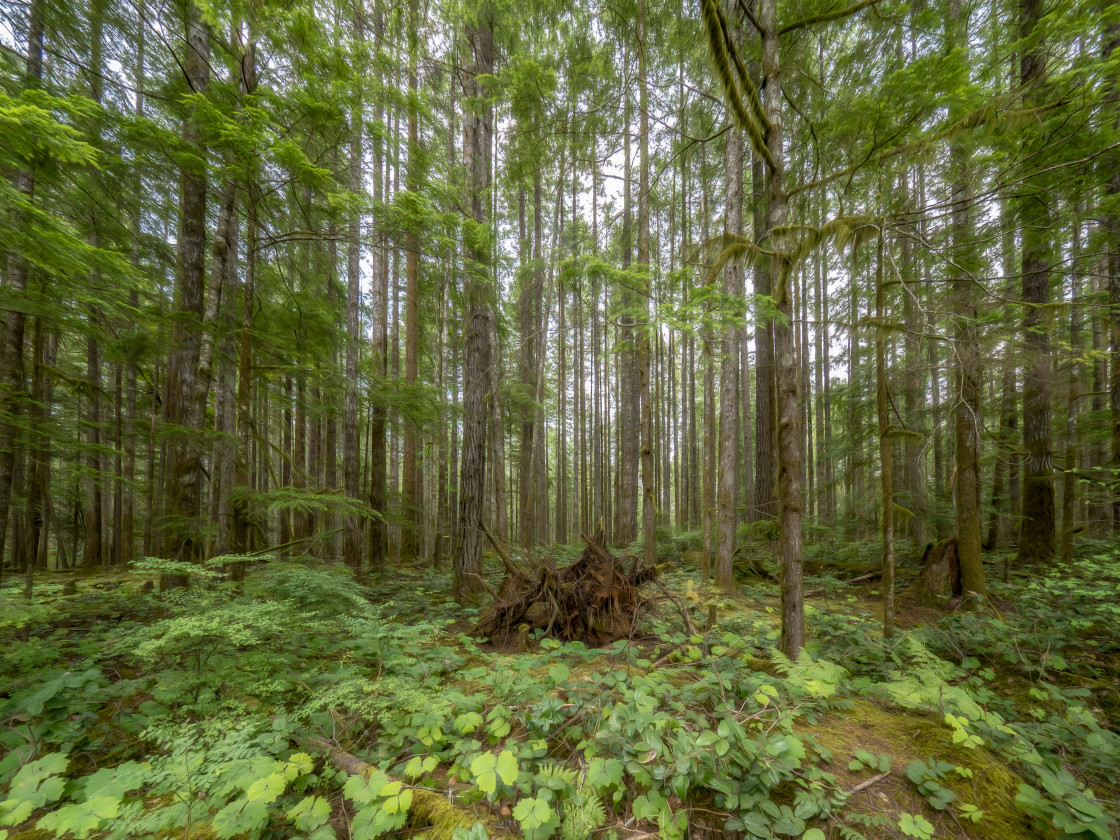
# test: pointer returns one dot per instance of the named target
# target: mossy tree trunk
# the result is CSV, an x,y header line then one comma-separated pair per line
x,y
1036,541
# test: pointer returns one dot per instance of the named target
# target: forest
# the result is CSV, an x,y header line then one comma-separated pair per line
x,y
604,419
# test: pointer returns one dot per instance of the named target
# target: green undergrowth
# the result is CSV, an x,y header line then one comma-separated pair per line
x,y
211,712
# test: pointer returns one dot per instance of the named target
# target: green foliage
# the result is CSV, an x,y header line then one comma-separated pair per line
x,y
569,739
915,825
927,776
489,770
383,805
37,783
867,760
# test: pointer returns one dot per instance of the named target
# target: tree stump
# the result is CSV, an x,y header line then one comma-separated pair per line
x,y
939,582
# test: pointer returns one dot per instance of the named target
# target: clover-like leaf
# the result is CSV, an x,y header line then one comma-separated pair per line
x,y
532,813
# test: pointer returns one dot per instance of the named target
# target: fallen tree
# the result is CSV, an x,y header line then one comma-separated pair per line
x,y
594,600
432,811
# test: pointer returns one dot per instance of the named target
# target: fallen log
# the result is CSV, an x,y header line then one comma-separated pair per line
x,y
430,810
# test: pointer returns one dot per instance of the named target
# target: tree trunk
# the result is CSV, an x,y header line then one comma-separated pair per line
x,y
916,493
707,362
184,470
1073,389
1111,224
886,471
788,374
1036,541
351,463
728,492
967,347
477,131
379,294
765,448
12,382
410,466
649,492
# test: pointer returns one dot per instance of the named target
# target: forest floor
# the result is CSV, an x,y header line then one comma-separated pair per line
x,y
306,704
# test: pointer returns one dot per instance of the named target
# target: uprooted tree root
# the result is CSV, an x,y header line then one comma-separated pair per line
x,y
594,600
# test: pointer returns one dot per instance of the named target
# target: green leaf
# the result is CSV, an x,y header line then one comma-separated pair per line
x,y
310,813
475,832
532,813
468,722
415,767
80,819
813,834
915,825
484,774
267,789
603,773
507,767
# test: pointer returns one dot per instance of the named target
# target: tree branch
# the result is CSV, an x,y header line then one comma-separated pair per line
x,y
824,17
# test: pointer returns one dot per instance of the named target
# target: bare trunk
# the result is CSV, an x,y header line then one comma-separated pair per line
x,y
1073,389
1036,541
379,314
184,471
410,466
477,130
967,346
649,492
728,493
886,470
351,463
788,374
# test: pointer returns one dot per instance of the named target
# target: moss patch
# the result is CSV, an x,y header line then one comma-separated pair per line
x,y
908,736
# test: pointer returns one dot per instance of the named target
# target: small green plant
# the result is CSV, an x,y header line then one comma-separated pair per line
x,y
865,760
927,778
915,825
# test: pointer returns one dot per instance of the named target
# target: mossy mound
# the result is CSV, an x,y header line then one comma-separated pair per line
x,y
908,736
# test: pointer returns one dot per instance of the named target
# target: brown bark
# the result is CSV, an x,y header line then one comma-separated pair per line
x,y
1037,538
629,398
410,466
379,350
352,528
13,387
886,467
967,347
765,395
240,535
728,492
528,292
788,373
184,470
916,491
649,497
707,362
1073,388
1112,226
477,133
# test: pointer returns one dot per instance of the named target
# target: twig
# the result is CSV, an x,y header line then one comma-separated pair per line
x,y
868,576
866,783
680,607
